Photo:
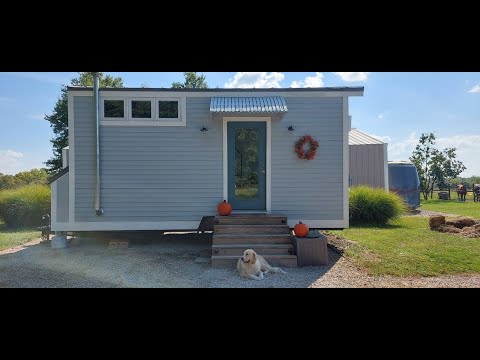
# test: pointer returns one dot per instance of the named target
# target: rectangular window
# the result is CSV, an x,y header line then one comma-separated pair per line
x,y
141,109
113,109
135,108
168,109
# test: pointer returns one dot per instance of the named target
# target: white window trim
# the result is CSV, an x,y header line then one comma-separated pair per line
x,y
155,120
102,109
179,109
130,109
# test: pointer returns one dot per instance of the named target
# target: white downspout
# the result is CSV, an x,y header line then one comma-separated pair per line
x,y
96,85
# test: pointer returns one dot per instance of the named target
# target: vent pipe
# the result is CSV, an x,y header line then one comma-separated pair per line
x,y
96,85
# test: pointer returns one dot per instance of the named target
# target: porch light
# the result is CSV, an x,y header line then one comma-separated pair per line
x,y
291,128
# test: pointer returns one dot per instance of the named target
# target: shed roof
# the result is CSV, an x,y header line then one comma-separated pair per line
x,y
357,137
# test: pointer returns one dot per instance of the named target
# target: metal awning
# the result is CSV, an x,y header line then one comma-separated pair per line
x,y
257,104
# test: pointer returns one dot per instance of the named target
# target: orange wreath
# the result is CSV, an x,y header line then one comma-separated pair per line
x,y
310,153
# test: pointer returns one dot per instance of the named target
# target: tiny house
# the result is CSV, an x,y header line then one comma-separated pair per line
x,y
162,159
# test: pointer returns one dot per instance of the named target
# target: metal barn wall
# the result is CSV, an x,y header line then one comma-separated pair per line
x,y
368,165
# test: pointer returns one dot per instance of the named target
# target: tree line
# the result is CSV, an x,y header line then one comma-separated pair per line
x,y
34,176
435,167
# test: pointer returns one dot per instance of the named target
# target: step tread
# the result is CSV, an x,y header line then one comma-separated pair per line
x,y
253,246
252,225
251,216
230,236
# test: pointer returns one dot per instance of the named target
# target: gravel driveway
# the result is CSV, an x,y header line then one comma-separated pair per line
x,y
171,263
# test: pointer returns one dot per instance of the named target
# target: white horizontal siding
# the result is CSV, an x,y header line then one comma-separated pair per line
x,y
309,189
149,174
162,174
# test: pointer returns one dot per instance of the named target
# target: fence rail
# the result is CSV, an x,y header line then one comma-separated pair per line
x,y
451,193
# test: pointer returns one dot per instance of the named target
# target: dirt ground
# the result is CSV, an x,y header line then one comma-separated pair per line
x,y
173,261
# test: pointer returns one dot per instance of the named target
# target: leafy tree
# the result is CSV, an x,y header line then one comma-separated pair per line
x,y
451,167
59,118
34,176
192,81
434,167
475,179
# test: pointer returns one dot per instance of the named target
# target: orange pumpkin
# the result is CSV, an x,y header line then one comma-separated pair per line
x,y
224,208
301,230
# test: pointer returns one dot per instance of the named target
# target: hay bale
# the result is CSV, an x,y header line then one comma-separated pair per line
x,y
462,222
471,231
448,229
436,221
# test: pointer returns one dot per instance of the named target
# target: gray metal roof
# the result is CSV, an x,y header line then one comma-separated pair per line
x,y
357,137
322,89
257,104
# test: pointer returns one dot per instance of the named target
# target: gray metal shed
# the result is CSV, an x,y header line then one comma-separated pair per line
x,y
368,160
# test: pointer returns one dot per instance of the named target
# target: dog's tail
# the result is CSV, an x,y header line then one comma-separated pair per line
x,y
278,270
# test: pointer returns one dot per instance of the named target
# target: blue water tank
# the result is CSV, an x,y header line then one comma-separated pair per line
x,y
403,180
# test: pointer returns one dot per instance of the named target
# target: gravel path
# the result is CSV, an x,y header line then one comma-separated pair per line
x,y
87,263
430,213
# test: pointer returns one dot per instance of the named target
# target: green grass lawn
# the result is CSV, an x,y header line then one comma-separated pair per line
x,y
10,238
467,208
407,246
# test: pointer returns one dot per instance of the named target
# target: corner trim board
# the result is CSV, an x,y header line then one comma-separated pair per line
x,y
71,157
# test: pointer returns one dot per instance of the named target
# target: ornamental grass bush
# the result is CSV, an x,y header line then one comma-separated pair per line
x,y
374,205
25,206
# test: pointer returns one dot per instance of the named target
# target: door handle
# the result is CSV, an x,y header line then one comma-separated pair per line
x,y
262,171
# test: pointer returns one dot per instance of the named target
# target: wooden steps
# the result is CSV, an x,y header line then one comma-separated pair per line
x,y
251,229
268,235
251,239
251,219
262,249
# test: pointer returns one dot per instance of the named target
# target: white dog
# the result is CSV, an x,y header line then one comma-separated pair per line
x,y
252,266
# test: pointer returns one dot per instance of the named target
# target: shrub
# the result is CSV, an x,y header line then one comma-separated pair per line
x,y
374,206
24,206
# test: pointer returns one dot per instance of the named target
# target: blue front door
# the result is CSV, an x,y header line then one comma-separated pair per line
x,y
247,165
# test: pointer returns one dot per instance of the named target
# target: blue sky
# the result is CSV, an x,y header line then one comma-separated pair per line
x,y
396,107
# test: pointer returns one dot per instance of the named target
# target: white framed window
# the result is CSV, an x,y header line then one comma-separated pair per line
x,y
168,109
151,110
141,109
113,109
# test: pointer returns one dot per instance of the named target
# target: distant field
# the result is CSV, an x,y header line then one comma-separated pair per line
x,y
467,208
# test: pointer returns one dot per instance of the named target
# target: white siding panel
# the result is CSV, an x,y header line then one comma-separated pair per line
x,y
175,173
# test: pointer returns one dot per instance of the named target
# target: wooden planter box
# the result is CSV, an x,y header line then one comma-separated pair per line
x,y
311,251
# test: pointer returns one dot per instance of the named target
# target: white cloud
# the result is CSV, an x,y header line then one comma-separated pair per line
x,y
255,80
352,76
468,148
402,150
475,89
310,81
36,116
10,161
